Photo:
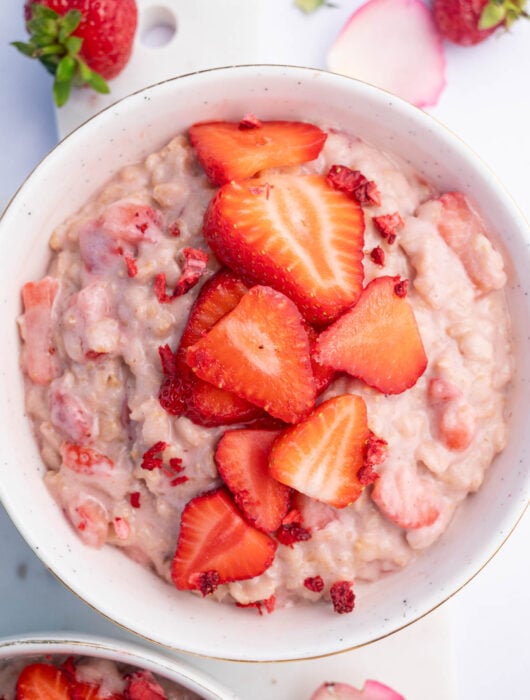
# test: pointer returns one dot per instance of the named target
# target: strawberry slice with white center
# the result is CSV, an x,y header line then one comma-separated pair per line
x,y
43,682
242,458
260,351
378,340
216,544
235,151
372,690
321,456
294,233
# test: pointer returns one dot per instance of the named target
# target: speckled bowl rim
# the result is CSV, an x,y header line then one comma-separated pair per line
x,y
518,504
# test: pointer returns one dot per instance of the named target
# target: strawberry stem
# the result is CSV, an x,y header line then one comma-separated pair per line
x,y
51,41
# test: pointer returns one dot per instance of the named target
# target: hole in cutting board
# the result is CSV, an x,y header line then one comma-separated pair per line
x,y
158,26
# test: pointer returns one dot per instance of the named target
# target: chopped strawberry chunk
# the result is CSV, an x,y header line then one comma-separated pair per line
x,y
41,681
142,685
91,691
182,392
131,222
321,456
242,458
378,340
406,498
85,460
294,233
215,537
89,519
235,151
254,349
38,354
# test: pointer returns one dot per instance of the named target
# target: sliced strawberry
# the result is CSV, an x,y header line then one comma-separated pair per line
x,y
407,499
260,351
142,685
182,392
321,456
43,682
39,352
90,691
295,233
231,151
372,690
216,544
323,375
242,458
378,340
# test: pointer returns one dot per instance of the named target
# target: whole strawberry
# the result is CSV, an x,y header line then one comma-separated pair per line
x,y
468,22
81,42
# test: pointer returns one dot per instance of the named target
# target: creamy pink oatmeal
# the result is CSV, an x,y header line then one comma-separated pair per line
x,y
60,677
108,345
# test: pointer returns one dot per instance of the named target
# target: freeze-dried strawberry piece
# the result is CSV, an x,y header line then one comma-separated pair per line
x,y
142,685
152,458
314,583
294,233
253,349
134,499
378,340
354,184
242,458
194,267
238,150
215,537
376,451
342,597
290,533
321,456
377,255
38,352
389,226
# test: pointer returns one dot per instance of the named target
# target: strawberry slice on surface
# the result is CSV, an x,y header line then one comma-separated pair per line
x,y
294,233
320,457
216,544
242,458
42,682
260,351
378,340
200,401
233,151
372,690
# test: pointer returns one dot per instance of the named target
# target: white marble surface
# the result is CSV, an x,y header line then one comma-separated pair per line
x,y
481,637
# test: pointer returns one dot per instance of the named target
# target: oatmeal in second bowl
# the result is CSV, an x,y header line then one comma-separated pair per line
x,y
273,363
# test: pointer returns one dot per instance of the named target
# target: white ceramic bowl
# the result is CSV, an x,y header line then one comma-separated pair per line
x,y
119,588
58,645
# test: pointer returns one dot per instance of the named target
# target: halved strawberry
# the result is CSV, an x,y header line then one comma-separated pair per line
x,y
200,401
41,681
90,691
242,458
378,340
235,151
321,456
216,544
260,351
294,233
406,498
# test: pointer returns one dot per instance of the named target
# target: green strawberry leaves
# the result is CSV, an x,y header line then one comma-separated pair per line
x,y
506,12
52,42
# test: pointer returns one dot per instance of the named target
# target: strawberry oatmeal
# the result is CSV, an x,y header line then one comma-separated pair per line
x,y
268,362
83,678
